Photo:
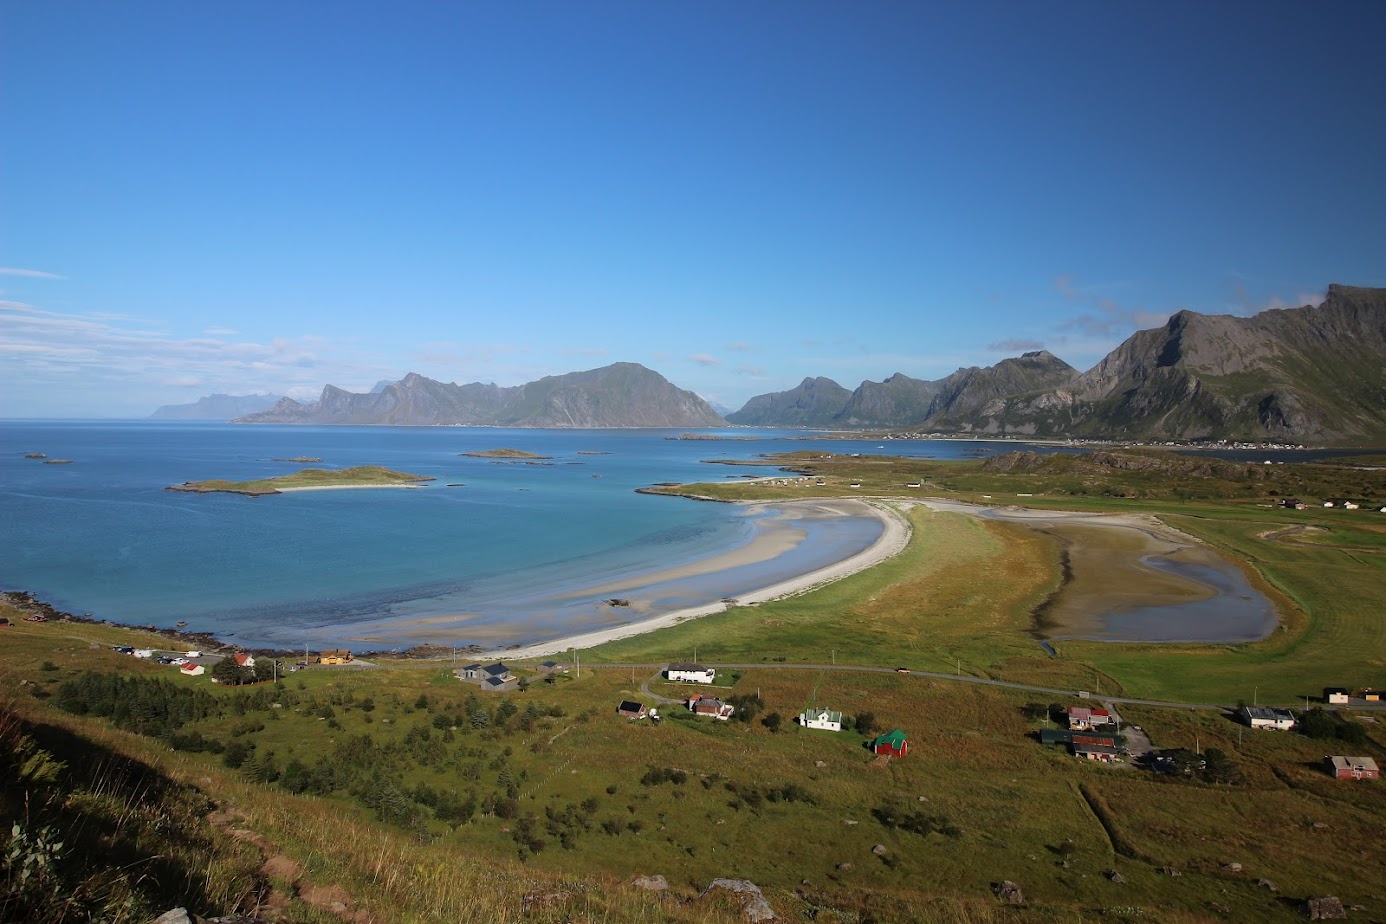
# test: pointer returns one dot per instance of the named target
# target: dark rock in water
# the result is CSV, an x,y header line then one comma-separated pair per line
x,y
617,601
34,455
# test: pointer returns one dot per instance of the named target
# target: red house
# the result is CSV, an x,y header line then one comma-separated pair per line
x,y
892,744
1351,768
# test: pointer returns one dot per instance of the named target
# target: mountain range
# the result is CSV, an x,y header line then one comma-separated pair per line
x,y
216,407
1316,373
619,395
1310,374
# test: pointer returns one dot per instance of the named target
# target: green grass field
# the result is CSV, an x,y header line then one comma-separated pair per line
x,y
799,812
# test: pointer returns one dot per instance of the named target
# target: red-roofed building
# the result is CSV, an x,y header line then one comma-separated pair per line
x,y
192,669
243,660
1081,718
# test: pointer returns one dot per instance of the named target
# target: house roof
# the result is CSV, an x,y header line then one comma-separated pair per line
x,y
495,670
1095,749
687,666
824,715
494,682
1350,763
628,706
1268,714
894,739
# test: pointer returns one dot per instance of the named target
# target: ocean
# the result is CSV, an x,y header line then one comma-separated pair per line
x,y
508,552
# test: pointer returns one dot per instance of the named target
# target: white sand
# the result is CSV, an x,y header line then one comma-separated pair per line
x,y
894,537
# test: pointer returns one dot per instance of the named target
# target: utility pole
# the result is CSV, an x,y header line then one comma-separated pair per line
x,y
834,656
1255,692
960,667
578,655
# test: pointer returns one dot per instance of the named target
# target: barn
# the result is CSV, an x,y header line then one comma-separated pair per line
x,y
891,744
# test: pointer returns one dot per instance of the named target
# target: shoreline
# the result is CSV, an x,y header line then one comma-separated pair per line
x,y
895,535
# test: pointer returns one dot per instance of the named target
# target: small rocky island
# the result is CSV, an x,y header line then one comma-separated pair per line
x,y
302,460
361,476
503,454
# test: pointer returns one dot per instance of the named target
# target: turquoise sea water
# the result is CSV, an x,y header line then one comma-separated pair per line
x,y
510,547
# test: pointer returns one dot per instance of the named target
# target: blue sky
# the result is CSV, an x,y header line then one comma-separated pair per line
x,y
252,196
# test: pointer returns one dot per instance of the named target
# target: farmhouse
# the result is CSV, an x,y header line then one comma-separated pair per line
x,y
192,669
241,658
703,704
689,672
1351,768
1266,717
1335,695
334,656
631,710
1081,718
891,744
821,718
1293,503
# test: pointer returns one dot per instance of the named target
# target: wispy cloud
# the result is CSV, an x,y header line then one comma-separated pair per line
x,y
28,273
705,359
124,354
1103,316
1242,303
220,332
1015,345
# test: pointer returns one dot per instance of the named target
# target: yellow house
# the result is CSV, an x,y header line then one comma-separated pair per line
x,y
334,656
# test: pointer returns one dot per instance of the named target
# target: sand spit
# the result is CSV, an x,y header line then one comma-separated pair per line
x,y
894,536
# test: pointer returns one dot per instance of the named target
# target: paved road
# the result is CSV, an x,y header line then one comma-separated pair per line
x,y
955,678
931,675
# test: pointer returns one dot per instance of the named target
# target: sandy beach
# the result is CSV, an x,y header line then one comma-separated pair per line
x,y
775,538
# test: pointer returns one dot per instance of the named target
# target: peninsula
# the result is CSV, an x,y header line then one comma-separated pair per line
x,y
361,476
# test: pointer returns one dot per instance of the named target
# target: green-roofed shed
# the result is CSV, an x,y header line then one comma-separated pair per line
x,y
892,743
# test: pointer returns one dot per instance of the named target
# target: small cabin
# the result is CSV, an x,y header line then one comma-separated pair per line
x,y
702,704
334,656
1265,717
631,710
1336,695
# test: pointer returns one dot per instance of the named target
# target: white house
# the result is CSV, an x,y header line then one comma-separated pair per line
x,y
1265,717
821,718
243,659
192,669
689,672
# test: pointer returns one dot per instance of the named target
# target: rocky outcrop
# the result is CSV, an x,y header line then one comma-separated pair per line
x,y
754,906
619,395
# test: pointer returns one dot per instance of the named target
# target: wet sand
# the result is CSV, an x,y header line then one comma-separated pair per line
x,y
1130,578
777,535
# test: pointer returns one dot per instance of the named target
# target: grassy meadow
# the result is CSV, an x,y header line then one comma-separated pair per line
x,y
420,798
